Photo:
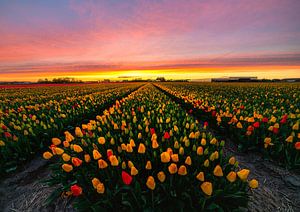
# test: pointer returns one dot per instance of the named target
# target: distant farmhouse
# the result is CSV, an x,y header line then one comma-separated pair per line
x,y
252,79
235,79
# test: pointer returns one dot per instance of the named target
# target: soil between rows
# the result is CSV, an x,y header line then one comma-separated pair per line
x,y
279,188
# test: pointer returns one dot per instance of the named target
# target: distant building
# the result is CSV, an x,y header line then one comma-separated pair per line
x,y
235,79
291,80
160,79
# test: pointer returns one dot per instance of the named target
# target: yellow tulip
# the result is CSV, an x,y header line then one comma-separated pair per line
x,y
243,174
78,132
100,188
289,139
101,140
113,160
267,142
181,151
123,146
77,148
176,145
207,188
273,119
206,163
232,160
67,167
231,177
47,155
130,164
213,141
132,143
133,171
123,165
66,157
150,183
59,151
95,182
96,154
239,125
2,143
161,176
129,148
296,126
253,183
203,141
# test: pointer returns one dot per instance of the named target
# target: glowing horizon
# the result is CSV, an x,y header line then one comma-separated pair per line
x,y
194,39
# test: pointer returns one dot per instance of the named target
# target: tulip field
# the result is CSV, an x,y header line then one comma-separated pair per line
x,y
150,146
263,117
29,116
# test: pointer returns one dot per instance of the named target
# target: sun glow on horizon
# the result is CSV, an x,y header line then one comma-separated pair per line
x,y
178,73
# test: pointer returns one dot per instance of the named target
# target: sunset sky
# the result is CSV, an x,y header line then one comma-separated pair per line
x,y
189,39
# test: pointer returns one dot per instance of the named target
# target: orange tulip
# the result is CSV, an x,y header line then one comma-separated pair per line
x,y
161,176
150,183
47,155
200,176
165,157
172,168
67,167
182,170
243,174
231,177
218,171
102,164
207,188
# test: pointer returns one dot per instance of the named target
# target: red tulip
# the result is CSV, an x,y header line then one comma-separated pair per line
x,y
4,127
127,179
76,161
213,113
242,107
191,110
297,145
256,124
109,153
283,121
166,135
250,128
76,190
152,131
275,130
265,120
7,135
205,124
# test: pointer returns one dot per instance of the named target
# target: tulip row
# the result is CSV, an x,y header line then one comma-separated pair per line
x,y
264,117
145,152
27,122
